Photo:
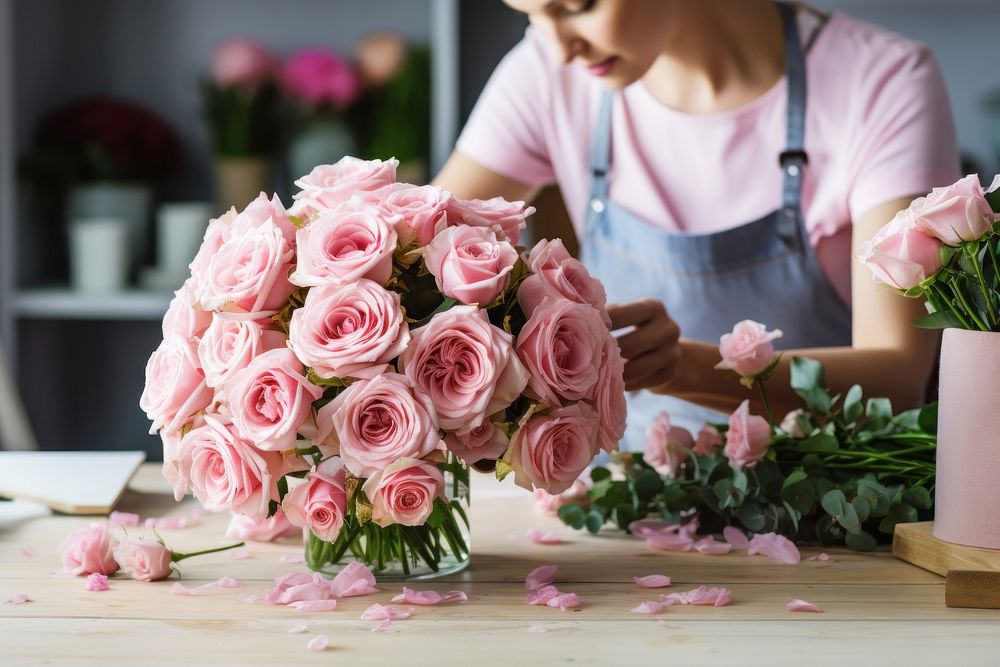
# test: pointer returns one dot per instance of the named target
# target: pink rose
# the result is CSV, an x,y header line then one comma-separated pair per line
x,y
707,440
145,560
343,245
548,503
225,472
219,229
748,437
748,349
423,209
465,366
546,255
349,331
270,399
486,441
274,527
175,385
378,421
570,280
551,450
229,345
88,550
790,424
318,502
174,465
504,217
667,446
330,184
248,272
900,254
562,345
404,492
185,317
955,213
470,264
263,211
609,398
243,63
320,76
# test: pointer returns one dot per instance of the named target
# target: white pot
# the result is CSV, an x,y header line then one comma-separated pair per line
x,y
180,228
98,255
129,203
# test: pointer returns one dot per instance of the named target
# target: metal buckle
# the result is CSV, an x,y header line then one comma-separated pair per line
x,y
793,157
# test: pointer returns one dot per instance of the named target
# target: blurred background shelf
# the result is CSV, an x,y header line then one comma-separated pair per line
x,y
64,303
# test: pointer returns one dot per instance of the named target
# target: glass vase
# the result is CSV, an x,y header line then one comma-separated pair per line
x,y
435,548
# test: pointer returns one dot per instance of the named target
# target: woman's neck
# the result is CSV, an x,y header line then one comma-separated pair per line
x,y
724,54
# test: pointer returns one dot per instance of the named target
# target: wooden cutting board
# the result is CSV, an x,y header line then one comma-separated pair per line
x,y
68,482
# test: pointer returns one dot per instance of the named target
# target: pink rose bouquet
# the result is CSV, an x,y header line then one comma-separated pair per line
x,y
344,361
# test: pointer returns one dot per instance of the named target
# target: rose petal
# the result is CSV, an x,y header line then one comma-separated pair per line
x,y
124,519
801,605
314,605
701,596
378,612
180,589
708,545
353,580
541,595
647,527
652,581
317,643
28,552
249,598
292,558
564,601
299,629
455,596
736,537
384,625
820,556
238,554
228,582
418,597
539,537
776,547
540,576
97,582
18,598
650,607
670,541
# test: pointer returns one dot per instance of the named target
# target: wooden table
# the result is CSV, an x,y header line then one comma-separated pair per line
x,y
876,609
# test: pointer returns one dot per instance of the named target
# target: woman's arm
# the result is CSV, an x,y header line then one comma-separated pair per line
x,y
468,179
889,356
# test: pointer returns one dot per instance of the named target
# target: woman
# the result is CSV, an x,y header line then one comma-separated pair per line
x,y
668,125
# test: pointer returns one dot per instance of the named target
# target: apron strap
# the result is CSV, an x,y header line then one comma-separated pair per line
x,y
793,159
600,153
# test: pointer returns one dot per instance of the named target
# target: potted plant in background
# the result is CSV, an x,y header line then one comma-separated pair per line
x,y
321,87
105,155
242,104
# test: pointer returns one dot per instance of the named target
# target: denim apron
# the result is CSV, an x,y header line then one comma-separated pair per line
x,y
764,270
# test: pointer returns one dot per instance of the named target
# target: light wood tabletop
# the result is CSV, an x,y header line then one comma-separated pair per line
x,y
876,609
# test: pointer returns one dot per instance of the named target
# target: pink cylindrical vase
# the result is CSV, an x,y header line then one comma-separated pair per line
x,y
967,493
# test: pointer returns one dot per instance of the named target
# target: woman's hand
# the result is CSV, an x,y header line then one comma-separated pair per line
x,y
652,347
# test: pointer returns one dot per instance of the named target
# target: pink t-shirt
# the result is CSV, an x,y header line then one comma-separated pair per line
x,y
878,127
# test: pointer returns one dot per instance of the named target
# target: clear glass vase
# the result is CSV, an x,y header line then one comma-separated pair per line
x,y
435,548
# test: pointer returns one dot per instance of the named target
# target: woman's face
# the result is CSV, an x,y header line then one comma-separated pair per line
x,y
615,40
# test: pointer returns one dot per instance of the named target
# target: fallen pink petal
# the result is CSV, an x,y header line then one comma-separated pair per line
x,y
540,576
539,537
17,598
97,582
542,595
353,580
292,559
455,596
776,547
670,541
411,596
701,596
298,629
180,589
652,581
378,612
820,556
314,605
736,537
384,625
801,605
650,607
318,643
248,598
296,586
228,582
238,554
564,601
647,527
124,519
708,545
28,552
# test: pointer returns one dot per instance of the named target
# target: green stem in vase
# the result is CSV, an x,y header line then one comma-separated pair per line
x,y
968,308
981,279
401,547
767,405
948,305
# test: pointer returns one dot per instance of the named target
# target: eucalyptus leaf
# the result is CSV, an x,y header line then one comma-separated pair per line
x,y
861,541
821,442
751,516
852,404
599,473
572,515
903,513
648,484
919,497
594,521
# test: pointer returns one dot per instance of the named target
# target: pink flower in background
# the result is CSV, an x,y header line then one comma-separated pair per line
x,y
548,503
667,446
465,366
343,245
89,550
901,254
228,346
422,208
552,449
379,421
609,396
330,184
98,582
404,492
276,526
349,331
707,440
144,560
955,213
470,264
185,317
318,501
320,77
225,472
243,63
748,350
748,437
562,345
270,399
790,423
507,218
175,385
486,441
